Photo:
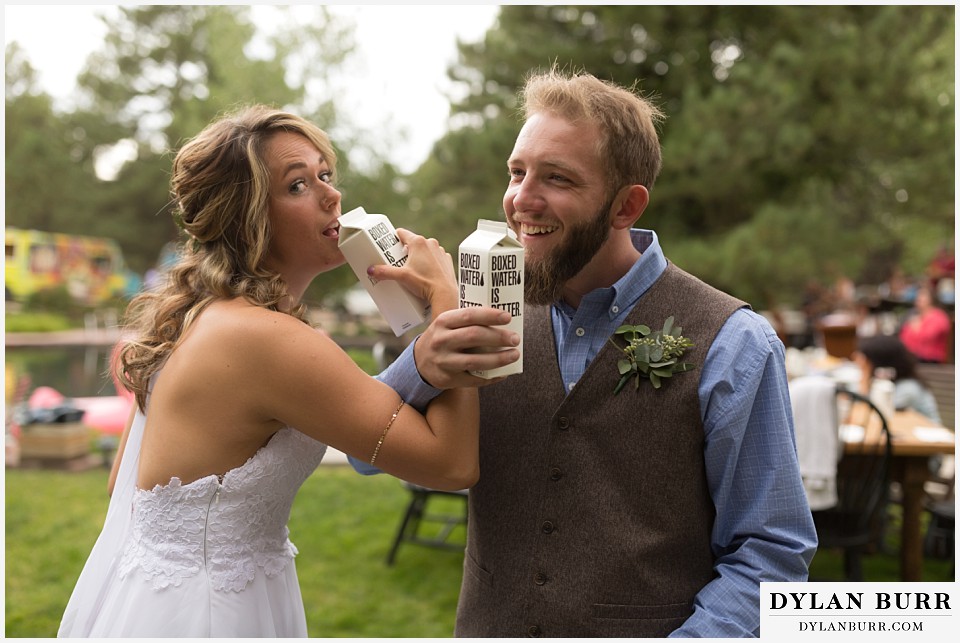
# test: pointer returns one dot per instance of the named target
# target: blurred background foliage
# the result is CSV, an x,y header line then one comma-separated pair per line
x,y
802,143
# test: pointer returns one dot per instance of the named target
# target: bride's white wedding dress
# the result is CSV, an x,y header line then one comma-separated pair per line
x,y
207,559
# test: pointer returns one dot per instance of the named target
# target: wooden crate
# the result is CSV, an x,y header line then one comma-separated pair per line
x,y
54,441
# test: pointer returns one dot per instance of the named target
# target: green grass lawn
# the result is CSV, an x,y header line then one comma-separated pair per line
x,y
342,523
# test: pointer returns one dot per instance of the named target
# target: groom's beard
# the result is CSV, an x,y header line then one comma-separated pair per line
x,y
545,278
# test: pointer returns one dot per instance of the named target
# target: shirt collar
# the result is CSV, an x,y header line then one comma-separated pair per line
x,y
646,270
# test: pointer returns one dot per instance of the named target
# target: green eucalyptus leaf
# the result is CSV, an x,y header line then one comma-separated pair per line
x,y
669,362
667,325
655,354
624,366
643,353
683,367
661,372
655,380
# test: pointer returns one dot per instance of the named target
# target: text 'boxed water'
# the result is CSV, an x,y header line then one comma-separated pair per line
x,y
491,274
369,239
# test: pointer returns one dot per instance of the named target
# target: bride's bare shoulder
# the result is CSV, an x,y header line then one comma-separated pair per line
x,y
240,317
241,329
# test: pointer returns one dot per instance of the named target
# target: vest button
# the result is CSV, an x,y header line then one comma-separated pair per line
x,y
533,631
563,423
540,578
547,527
556,473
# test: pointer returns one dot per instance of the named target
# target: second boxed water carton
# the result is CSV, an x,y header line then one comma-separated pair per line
x,y
491,274
368,239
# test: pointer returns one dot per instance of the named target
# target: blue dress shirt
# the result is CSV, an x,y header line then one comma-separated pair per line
x,y
763,529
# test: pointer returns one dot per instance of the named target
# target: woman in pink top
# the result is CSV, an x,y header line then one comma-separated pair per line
x,y
927,332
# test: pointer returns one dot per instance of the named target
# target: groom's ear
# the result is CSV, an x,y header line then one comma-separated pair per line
x,y
628,205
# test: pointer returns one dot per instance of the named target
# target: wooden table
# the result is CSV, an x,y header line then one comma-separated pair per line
x,y
910,467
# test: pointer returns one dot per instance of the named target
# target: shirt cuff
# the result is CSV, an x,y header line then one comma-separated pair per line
x,y
362,467
404,378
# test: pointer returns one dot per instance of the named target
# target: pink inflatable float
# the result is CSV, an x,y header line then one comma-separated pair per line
x,y
107,414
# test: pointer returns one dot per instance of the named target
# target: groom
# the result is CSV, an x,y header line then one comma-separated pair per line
x,y
651,511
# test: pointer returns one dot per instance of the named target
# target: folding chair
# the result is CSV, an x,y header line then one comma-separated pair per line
x,y
416,514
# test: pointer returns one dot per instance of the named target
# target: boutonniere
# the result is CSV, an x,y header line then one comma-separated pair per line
x,y
653,356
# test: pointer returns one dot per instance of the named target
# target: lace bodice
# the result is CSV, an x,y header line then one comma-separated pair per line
x,y
234,527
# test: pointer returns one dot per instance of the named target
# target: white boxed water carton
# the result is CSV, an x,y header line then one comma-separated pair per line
x,y
367,239
491,274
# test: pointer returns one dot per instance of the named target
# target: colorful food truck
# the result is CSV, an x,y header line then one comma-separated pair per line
x,y
92,269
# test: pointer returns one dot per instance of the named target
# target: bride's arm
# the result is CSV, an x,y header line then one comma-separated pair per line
x,y
303,379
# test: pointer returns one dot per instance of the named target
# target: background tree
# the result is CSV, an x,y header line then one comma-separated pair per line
x,y
801,143
45,181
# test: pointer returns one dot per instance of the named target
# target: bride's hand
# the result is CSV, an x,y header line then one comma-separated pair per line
x,y
428,272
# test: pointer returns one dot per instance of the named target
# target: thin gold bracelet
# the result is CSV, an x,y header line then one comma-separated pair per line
x,y
384,434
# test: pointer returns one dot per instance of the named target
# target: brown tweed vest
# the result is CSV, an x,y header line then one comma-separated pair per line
x,y
592,515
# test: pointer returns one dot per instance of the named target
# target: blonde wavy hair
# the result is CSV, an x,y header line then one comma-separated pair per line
x,y
219,187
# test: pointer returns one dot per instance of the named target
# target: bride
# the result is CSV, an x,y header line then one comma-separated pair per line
x,y
237,396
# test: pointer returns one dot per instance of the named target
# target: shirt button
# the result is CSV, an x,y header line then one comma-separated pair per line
x,y
615,309
581,332
540,578
547,527
563,423
556,473
570,386
533,631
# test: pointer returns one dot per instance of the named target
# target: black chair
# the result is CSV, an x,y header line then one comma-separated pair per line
x,y
416,514
938,542
855,523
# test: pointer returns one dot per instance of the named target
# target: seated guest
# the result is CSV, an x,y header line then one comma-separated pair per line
x,y
926,333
